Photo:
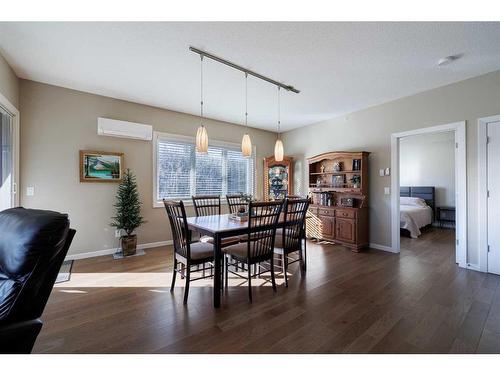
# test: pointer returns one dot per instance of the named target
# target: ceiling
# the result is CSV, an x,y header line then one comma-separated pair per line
x,y
339,67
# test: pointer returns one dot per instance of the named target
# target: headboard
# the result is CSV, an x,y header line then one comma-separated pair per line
x,y
427,193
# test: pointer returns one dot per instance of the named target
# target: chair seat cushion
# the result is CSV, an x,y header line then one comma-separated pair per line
x,y
224,242
201,250
239,250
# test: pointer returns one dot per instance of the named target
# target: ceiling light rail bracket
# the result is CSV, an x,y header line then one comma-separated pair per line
x,y
244,70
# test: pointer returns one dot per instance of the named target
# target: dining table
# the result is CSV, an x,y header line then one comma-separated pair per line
x,y
219,227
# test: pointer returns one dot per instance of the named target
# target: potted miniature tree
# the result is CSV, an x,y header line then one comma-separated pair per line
x,y
128,213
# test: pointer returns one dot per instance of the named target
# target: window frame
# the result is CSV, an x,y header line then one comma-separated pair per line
x,y
157,136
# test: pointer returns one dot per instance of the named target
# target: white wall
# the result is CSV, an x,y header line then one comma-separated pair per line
x,y
9,83
371,129
429,160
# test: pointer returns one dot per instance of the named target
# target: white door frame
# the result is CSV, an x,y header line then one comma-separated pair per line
x,y
9,107
482,189
460,186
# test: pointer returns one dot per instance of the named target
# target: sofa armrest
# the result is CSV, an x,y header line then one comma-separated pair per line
x,y
19,337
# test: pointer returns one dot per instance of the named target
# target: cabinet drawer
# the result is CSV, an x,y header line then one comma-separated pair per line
x,y
326,211
350,214
313,210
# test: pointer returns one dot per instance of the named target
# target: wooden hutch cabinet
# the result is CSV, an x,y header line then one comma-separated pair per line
x,y
338,187
278,178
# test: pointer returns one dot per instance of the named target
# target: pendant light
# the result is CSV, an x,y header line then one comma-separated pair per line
x,y
246,142
201,134
278,147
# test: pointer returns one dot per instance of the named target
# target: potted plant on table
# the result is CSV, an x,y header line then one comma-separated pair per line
x,y
128,213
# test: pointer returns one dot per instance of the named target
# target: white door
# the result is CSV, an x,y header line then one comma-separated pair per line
x,y
6,161
493,132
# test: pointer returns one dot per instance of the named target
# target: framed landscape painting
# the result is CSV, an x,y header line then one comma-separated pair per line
x,y
101,166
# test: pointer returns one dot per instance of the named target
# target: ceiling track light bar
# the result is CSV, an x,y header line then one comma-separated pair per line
x,y
244,70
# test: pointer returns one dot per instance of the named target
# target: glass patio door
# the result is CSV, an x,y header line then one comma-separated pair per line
x,y
6,160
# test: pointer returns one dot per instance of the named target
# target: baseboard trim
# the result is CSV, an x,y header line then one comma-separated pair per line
x,y
474,267
382,247
99,253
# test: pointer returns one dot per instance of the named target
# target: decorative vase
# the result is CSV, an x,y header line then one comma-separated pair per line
x,y
129,245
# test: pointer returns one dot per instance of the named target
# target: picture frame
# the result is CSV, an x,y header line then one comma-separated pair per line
x,y
101,166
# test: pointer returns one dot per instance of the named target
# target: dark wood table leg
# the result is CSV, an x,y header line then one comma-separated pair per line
x,y
218,274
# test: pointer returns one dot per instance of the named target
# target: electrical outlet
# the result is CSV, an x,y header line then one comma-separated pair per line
x,y
381,172
387,191
118,233
30,191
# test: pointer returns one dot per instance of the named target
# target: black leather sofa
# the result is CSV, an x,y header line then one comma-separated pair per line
x,y
33,245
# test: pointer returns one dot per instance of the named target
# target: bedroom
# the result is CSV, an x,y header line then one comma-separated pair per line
x,y
427,193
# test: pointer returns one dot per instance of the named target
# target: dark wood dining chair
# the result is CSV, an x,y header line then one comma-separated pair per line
x,y
185,253
235,201
205,205
259,244
290,238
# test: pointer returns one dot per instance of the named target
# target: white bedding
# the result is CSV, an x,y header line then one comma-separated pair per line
x,y
413,218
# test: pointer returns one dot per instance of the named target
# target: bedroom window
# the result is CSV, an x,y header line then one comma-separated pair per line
x,y
181,172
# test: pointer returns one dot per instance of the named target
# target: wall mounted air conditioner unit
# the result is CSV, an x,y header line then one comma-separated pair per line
x,y
124,129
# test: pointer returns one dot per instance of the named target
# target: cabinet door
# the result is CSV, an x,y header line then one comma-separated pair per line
x,y
327,226
345,230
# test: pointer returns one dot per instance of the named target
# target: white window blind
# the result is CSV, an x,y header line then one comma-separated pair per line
x,y
182,172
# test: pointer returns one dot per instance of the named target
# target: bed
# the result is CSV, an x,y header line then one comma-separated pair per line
x,y
416,209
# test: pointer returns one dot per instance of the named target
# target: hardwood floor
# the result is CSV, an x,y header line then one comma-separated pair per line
x,y
371,302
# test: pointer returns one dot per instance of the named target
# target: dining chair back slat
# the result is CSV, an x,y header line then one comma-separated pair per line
x,y
178,222
206,205
235,201
295,211
263,220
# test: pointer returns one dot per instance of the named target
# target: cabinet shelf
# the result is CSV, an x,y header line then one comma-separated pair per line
x,y
335,222
334,173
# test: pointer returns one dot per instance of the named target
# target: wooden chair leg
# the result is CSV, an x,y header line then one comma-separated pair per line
x,y
188,277
273,279
222,273
249,267
174,274
302,263
305,254
226,270
284,260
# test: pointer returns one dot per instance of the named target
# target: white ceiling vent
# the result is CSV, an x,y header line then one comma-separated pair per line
x,y
124,129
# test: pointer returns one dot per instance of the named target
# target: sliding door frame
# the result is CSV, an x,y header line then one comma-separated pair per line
x,y
14,112
459,128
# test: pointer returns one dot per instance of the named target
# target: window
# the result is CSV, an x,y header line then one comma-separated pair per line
x,y
181,172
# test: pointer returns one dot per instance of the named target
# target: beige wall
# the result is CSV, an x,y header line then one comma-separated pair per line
x,y
9,83
57,122
429,160
370,130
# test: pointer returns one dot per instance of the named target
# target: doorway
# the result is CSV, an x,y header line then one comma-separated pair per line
x,y
489,194
9,154
458,131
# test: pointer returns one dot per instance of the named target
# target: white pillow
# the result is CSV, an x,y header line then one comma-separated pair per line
x,y
412,201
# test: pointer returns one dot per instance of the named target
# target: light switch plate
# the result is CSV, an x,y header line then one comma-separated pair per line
x,y
30,191
118,233
381,173
388,171
387,191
